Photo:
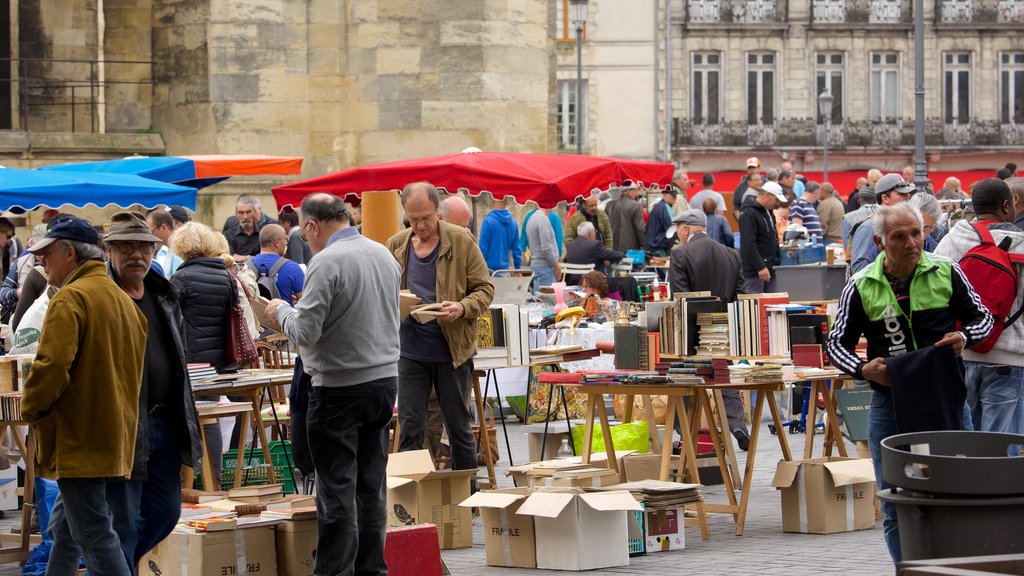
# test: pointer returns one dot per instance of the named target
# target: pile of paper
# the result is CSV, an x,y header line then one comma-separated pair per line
x,y
765,373
655,494
713,334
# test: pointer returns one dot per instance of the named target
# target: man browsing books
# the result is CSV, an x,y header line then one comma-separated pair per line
x,y
439,263
347,326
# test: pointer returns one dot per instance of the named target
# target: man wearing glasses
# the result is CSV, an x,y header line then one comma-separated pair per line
x,y
890,190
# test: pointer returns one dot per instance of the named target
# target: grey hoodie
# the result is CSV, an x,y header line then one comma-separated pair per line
x,y
961,238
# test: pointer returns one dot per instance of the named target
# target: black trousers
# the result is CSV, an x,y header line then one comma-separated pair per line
x,y
348,439
415,381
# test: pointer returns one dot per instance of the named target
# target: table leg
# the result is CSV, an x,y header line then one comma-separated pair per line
x,y
29,499
547,421
627,408
834,434
606,431
501,411
258,433
481,421
652,423
690,456
568,422
208,476
666,454
748,473
723,423
812,417
588,426
773,407
240,459
718,442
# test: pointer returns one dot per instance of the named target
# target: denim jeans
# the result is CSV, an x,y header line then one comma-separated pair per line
x,y
82,524
159,504
757,286
993,399
881,425
348,439
415,381
543,276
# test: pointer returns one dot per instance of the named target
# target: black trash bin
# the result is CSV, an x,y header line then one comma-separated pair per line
x,y
958,493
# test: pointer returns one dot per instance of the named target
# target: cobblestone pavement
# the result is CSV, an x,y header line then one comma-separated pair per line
x,y
763,550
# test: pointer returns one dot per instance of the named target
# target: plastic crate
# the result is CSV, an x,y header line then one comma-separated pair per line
x,y
280,456
638,547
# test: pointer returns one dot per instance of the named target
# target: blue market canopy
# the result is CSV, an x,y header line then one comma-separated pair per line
x,y
195,171
30,189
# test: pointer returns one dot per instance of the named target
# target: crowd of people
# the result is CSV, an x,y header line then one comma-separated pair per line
x,y
126,313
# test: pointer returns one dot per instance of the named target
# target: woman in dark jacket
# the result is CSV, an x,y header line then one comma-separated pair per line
x,y
205,290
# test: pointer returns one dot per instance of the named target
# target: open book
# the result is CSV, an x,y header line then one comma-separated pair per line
x,y
259,309
424,313
406,300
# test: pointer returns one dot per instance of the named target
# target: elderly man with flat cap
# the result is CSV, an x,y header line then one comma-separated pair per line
x,y
82,395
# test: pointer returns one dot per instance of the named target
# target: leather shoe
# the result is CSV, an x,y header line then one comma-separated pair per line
x,y
742,438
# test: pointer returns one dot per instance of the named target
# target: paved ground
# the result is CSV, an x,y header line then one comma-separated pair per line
x,y
763,550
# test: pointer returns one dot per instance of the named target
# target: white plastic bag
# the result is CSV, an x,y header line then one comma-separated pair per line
x,y
26,339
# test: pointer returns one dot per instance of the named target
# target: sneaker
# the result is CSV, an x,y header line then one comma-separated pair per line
x,y
742,438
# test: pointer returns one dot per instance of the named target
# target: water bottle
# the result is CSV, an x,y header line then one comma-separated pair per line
x,y
564,451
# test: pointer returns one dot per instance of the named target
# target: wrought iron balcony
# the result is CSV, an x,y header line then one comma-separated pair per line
x,y
980,11
735,11
761,135
836,134
861,11
1011,134
958,134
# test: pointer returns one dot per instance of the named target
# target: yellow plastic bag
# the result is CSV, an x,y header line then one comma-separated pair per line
x,y
627,436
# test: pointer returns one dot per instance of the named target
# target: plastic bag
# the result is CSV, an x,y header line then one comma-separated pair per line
x,y
626,436
26,339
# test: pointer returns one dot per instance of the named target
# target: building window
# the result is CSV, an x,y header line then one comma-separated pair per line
x,y
830,67
565,28
760,88
707,88
1011,87
885,86
571,124
956,87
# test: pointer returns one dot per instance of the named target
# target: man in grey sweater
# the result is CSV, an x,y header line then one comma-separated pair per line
x,y
543,250
351,291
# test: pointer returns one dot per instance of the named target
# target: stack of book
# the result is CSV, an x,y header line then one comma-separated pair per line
x,y
200,372
713,334
655,494
10,406
299,513
257,494
647,378
604,378
764,373
749,333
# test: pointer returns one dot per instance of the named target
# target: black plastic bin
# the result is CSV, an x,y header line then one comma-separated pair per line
x,y
959,493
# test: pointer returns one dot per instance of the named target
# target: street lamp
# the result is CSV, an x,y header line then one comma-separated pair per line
x,y
578,14
825,109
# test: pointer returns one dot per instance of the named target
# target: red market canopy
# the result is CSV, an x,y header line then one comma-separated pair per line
x,y
546,179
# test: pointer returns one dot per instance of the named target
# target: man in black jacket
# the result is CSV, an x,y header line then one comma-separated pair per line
x,y
759,240
587,249
701,263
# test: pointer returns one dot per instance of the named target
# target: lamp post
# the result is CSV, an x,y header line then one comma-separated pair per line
x,y
920,163
578,14
825,109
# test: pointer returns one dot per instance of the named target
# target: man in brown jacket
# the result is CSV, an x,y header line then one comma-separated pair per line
x,y
440,263
82,393
627,219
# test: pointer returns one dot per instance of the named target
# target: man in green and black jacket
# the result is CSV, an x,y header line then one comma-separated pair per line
x,y
905,301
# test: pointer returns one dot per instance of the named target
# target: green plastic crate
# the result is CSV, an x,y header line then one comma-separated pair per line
x,y
280,456
638,547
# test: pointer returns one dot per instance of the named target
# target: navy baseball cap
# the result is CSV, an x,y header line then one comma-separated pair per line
x,y
68,228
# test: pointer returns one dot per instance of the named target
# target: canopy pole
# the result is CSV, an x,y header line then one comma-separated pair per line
x,y
381,215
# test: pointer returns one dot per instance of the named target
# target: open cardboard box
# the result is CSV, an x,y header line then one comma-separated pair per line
x,y
419,494
225,552
826,495
508,537
577,530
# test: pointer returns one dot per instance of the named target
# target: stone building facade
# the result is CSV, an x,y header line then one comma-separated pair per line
x,y
745,76
338,82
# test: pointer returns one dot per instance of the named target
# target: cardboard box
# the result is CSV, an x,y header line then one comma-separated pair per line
x,y
581,531
418,494
296,547
508,537
213,554
582,478
636,467
826,495
557,431
664,529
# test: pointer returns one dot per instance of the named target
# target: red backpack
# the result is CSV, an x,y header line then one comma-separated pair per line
x,y
992,271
